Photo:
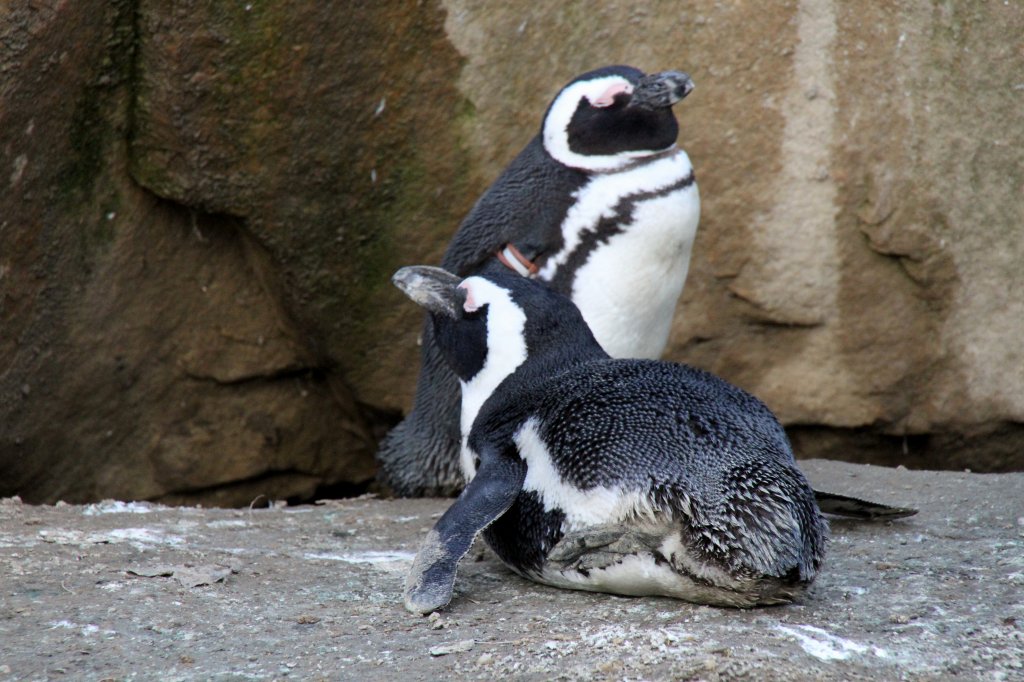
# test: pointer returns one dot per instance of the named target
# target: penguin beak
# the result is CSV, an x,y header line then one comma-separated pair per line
x,y
434,289
660,90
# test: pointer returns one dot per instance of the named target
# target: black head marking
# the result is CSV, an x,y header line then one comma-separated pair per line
x,y
607,131
605,118
554,325
463,341
461,334
499,315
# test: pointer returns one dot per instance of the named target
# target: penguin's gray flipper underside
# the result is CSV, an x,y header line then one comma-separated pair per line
x,y
489,495
855,508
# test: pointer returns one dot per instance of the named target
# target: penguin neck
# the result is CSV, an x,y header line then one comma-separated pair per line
x,y
542,360
631,162
506,380
506,351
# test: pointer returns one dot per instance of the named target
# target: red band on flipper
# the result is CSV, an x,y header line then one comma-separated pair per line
x,y
514,260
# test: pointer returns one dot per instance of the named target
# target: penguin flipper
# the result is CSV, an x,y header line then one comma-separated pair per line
x,y
526,204
489,495
855,508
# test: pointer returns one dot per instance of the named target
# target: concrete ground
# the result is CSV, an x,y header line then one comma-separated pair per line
x,y
116,591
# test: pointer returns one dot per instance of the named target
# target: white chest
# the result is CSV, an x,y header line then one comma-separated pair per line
x,y
630,235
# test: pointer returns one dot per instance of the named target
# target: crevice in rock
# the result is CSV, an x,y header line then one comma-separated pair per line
x,y
305,487
317,374
997,450
224,230
341,490
775,323
133,73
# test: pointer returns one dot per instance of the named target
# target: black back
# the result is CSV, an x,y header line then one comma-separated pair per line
x,y
526,205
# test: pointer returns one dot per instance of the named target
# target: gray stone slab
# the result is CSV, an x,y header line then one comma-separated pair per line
x,y
137,592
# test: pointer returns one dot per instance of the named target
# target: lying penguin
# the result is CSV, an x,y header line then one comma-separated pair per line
x,y
634,477
603,207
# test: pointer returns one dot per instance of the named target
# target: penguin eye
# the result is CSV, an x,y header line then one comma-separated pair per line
x,y
607,98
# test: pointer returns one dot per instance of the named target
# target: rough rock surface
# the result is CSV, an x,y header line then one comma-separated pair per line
x,y
861,180
139,591
202,210
202,204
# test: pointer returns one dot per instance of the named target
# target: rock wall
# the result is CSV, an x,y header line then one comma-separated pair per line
x,y
862,180
203,208
204,204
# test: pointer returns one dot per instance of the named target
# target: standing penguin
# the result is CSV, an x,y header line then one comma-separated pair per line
x,y
634,477
603,207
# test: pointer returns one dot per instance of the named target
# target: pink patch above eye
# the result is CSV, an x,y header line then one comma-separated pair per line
x,y
470,306
607,98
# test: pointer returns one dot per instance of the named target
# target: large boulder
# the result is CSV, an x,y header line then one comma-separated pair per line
x,y
204,207
204,203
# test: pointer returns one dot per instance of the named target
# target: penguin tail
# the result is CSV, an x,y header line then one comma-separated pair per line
x,y
855,508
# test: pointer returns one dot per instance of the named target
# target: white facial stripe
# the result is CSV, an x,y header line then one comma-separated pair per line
x,y
506,350
556,125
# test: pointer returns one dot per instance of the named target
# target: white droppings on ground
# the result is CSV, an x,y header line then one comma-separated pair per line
x,y
86,630
119,507
616,635
141,536
381,559
138,537
227,523
826,646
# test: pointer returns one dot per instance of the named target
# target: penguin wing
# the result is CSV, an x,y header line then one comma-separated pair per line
x,y
492,491
525,206
855,508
